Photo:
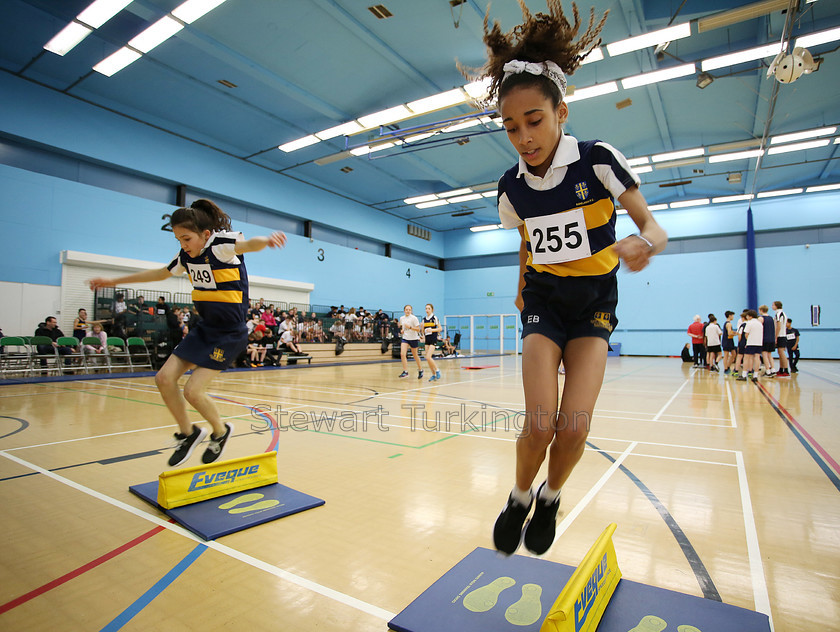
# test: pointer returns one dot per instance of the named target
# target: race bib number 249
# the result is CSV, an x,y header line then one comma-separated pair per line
x,y
558,238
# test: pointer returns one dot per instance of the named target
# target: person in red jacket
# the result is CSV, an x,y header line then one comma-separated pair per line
x,y
695,330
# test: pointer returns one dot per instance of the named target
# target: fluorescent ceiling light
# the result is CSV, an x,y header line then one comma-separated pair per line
x,y
767,194
447,194
432,204
437,101
101,11
738,155
811,144
463,125
732,198
642,169
592,91
478,89
676,155
489,194
822,187
67,38
116,62
191,10
420,198
370,149
657,207
642,160
812,133
649,39
622,211
687,203
156,34
300,143
465,198
345,129
384,117
760,52
658,75
479,229
596,54
418,137
815,39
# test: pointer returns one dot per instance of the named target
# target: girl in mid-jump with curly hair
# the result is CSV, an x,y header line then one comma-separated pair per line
x,y
560,196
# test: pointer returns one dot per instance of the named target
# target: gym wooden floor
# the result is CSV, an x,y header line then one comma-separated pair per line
x,y
737,478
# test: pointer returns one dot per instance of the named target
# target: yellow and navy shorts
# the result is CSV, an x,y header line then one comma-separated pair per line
x,y
564,308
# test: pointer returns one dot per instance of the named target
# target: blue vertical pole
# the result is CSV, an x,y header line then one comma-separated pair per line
x,y
752,281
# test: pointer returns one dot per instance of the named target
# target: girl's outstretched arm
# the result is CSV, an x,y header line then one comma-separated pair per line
x,y
146,276
255,244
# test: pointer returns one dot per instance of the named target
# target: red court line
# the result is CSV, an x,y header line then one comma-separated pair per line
x,y
14,603
825,455
275,429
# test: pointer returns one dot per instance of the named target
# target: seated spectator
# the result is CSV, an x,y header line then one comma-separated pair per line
x,y
253,322
337,329
97,332
272,353
49,328
268,318
139,307
317,331
448,347
256,351
287,344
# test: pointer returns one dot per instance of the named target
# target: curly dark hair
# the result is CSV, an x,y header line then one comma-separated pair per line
x,y
541,37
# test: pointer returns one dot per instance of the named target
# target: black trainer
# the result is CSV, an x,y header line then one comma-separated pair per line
x,y
539,532
507,533
186,445
215,447
420,375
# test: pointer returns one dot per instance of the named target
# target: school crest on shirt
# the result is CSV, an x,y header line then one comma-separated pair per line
x,y
581,190
218,355
602,319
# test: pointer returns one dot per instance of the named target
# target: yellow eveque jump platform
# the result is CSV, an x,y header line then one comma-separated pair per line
x,y
177,488
581,604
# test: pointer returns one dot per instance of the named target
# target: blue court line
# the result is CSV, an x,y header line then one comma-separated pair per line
x,y
129,613
700,571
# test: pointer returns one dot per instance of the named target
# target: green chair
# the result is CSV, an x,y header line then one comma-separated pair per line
x,y
74,358
139,352
46,360
94,354
119,358
15,357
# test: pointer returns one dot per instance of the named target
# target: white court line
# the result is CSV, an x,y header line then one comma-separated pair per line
x,y
731,406
759,582
569,518
668,403
307,584
813,368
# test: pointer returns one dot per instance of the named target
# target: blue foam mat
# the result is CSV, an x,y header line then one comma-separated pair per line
x,y
441,608
214,518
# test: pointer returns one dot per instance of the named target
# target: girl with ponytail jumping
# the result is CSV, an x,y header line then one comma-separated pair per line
x,y
212,255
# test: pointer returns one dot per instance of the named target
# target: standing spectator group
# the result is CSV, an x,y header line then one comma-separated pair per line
x,y
746,348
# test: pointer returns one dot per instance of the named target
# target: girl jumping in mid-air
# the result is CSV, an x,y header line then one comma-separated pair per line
x,y
212,256
560,198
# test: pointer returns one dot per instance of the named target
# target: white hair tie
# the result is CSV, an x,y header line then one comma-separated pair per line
x,y
547,68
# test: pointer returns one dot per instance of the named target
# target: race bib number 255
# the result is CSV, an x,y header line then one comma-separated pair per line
x,y
558,238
